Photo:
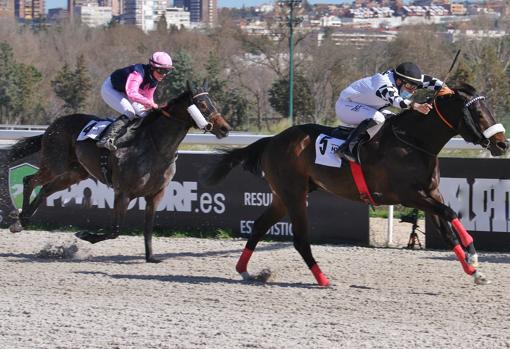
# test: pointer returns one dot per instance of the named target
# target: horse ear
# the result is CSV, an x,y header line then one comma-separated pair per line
x,y
188,85
205,85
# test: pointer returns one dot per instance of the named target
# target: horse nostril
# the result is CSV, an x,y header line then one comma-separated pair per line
x,y
224,130
503,145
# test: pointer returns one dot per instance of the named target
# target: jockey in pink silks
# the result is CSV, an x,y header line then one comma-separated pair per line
x,y
130,91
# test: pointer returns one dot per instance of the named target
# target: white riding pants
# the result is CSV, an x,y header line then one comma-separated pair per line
x,y
352,113
119,101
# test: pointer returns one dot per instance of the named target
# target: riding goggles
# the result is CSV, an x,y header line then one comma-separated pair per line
x,y
163,71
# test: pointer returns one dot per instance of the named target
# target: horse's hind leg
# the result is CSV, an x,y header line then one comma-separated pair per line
x,y
58,183
271,215
41,177
299,218
293,193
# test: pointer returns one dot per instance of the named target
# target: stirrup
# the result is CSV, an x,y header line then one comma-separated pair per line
x,y
108,143
345,153
347,156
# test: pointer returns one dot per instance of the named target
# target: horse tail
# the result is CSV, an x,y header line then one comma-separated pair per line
x,y
249,157
24,147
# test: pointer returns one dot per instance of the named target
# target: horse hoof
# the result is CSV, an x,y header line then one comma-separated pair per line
x,y
15,227
153,260
92,238
14,214
325,284
480,279
472,260
246,276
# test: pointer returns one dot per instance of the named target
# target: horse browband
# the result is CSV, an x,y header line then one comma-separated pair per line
x,y
200,94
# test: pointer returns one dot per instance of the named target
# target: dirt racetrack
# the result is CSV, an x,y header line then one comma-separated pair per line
x,y
106,296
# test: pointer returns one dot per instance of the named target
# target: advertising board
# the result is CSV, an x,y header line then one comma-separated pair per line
x,y
188,205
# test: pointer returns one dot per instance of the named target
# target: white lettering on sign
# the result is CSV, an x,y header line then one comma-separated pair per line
x,y
85,192
279,229
481,203
179,196
257,199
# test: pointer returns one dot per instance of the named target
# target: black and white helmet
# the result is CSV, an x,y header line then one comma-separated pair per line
x,y
409,72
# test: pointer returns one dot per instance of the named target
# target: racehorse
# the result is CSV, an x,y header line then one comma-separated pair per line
x,y
400,166
142,166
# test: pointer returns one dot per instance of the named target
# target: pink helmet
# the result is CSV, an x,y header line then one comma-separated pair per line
x,y
161,60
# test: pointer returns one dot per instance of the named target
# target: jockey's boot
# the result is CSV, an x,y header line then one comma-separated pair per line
x,y
348,149
108,139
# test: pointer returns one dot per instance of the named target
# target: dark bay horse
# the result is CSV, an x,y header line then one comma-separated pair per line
x,y
400,165
142,166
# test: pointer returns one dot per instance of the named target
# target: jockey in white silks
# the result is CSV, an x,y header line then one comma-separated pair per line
x,y
362,102
130,91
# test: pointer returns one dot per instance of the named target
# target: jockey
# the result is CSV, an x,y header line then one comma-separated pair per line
x,y
362,102
130,91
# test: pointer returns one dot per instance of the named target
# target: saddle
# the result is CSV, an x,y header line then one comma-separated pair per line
x,y
341,132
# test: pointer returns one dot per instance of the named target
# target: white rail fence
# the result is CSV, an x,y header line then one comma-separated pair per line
x,y
10,133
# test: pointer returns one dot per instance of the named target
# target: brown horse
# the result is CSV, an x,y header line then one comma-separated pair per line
x,y
142,166
400,165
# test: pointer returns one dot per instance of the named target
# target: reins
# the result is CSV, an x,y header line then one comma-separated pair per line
x,y
441,116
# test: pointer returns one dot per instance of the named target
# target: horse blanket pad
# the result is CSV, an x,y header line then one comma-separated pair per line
x,y
325,149
93,130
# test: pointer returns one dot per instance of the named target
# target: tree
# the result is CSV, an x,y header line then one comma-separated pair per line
x,y
19,85
463,74
217,84
232,104
494,82
73,87
162,25
303,100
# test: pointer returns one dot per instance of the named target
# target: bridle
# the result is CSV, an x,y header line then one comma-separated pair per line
x,y
210,110
482,136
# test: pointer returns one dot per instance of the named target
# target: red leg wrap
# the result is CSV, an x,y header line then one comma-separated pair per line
x,y
461,256
464,236
322,280
242,263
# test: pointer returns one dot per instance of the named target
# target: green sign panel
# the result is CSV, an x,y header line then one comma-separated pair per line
x,y
16,175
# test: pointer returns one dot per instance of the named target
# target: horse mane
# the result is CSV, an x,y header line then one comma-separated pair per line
x,y
467,89
154,114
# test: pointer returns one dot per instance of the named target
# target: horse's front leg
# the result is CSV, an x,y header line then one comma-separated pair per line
x,y
150,211
120,206
442,215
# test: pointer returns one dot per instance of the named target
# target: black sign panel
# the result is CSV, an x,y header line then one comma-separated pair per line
x,y
478,190
190,206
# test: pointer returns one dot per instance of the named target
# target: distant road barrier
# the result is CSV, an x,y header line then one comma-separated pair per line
x,y
11,133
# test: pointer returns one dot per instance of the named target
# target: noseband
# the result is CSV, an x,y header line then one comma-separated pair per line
x,y
197,116
483,136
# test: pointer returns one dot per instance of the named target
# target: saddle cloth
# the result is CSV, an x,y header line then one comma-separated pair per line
x,y
93,130
325,149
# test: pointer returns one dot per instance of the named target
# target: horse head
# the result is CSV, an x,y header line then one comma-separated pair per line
x,y
203,111
195,108
466,112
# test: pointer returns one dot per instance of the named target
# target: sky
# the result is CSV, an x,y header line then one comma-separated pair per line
x,y
221,3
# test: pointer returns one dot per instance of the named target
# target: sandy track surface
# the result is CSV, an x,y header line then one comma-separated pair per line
x,y
106,296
